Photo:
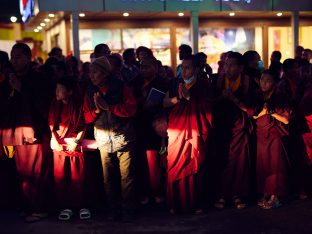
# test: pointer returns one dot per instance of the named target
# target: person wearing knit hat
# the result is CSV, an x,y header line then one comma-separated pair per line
x,y
110,105
103,64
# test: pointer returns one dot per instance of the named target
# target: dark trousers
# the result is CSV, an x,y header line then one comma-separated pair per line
x,y
118,179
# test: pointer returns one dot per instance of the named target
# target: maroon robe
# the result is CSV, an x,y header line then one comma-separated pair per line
x,y
292,91
148,144
305,111
233,129
272,159
25,116
188,131
66,121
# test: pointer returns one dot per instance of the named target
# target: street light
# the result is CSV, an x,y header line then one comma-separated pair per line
x,y
13,19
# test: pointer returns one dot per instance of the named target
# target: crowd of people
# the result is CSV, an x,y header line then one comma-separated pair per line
x,y
129,125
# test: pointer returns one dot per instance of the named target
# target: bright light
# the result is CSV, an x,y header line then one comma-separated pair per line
x,y
279,14
180,14
13,19
82,14
47,20
42,24
36,30
39,27
230,33
126,14
51,15
232,14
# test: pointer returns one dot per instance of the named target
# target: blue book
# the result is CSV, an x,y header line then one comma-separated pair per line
x,y
155,97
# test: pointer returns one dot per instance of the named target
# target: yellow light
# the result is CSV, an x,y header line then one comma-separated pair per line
x,y
126,14
42,24
51,15
47,20
82,14
180,14
279,14
232,14
36,30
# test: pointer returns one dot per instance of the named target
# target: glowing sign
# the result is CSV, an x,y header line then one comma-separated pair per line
x,y
27,9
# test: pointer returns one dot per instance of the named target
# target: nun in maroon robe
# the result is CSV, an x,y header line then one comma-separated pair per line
x,y
271,114
189,132
67,128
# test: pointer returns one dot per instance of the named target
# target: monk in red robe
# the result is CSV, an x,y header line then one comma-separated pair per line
x,y
27,127
291,88
305,108
304,112
189,130
149,142
233,131
272,116
67,128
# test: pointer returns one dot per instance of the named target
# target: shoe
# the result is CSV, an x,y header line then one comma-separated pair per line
x,y
199,211
238,203
272,204
35,217
262,201
84,214
65,215
220,204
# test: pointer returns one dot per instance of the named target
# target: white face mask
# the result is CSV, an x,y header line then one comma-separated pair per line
x,y
189,80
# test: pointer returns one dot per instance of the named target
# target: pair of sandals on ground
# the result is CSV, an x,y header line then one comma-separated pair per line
x,y
266,202
67,214
269,202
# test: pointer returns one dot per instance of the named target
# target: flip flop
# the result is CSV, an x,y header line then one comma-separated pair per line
x,y
85,214
34,217
272,204
65,215
220,204
238,203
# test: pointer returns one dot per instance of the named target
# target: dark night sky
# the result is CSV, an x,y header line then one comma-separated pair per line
x,y
7,9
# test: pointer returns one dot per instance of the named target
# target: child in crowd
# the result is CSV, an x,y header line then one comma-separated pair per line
x,y
272,116
67,127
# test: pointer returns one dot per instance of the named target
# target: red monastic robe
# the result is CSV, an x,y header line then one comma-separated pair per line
x,y
66,121
188,130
